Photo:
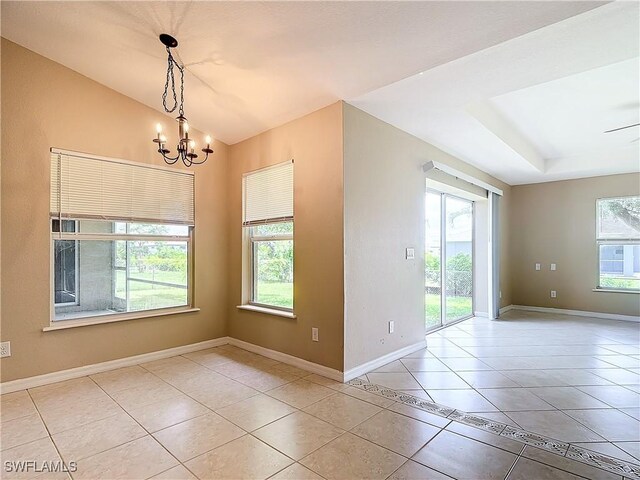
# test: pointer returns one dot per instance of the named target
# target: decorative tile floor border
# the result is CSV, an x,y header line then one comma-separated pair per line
x,y
563,449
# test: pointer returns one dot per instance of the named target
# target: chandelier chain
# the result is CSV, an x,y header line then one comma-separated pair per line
x,y
171,83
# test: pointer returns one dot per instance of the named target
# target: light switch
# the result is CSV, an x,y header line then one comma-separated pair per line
x,y
537,266
553,266
411,254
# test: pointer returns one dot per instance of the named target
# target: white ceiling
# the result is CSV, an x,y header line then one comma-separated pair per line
x,y
254,65
534,108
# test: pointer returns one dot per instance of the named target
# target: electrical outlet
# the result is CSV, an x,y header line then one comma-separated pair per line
x,y
553,266
410,253
5,349
537,266
314,334
554,294
392,326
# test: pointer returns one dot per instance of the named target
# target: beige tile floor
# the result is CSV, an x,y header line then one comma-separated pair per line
x,y
571,378
228,413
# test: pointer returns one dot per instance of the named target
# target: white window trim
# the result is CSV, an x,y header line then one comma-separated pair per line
x,y
118,317
267,310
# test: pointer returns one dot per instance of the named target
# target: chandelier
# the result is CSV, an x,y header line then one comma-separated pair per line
x,y
186,146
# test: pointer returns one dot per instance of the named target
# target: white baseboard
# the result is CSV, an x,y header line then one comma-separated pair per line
x,y
59,376
62,375
579,313
288,359
506,309
481,314
380,361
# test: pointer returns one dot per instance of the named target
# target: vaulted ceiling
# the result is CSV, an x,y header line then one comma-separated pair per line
x,y
255,65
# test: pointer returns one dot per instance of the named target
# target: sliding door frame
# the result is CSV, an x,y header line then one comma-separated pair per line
x,y
443,259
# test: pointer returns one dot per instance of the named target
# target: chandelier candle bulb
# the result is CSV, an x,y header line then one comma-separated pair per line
x,y
158,139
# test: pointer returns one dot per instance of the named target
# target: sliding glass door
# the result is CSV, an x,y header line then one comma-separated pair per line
x,y
459,254
448,259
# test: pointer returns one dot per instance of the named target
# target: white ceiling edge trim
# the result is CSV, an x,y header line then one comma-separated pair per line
x,y
461,175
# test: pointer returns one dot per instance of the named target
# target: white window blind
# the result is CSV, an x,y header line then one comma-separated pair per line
x,y
93,187
268,195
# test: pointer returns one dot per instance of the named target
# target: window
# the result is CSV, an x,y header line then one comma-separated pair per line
x,y
121,237
268,236
272,260
618,242
120,267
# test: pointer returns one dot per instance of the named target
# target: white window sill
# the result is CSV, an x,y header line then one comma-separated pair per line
x,y
268,311
613,290
119,317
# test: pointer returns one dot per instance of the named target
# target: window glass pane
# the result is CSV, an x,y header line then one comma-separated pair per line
x,y
458,283
120,254
157,229
282,228
67,225
123,228
157,274
620,266
94,226
432,272
120,290
124,276
273,273
65,271
619,218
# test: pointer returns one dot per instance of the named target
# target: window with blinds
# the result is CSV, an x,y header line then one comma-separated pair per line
x,y
121,238
268,195
268,226
91,187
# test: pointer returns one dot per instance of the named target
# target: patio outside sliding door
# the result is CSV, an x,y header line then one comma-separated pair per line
x,y
448,259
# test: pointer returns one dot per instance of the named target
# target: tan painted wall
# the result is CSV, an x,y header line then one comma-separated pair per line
x,y
384,213
45,104
315,143
556,223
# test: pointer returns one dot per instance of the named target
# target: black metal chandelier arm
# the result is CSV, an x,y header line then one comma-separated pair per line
x,y
169,160
200,162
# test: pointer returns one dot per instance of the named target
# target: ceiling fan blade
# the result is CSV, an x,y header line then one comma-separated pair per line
x,y
622,128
